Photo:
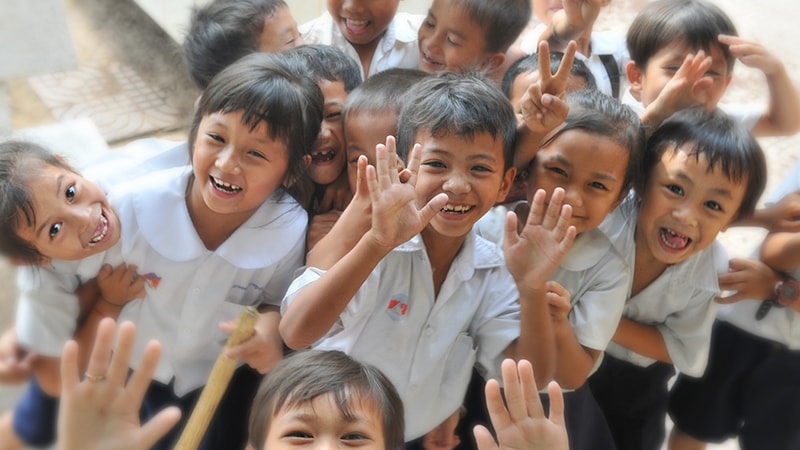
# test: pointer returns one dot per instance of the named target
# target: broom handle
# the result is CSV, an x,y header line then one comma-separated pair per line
x,y
217,383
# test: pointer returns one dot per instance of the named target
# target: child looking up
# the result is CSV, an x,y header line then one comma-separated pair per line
x,y
419,295
682,54
704,171
223,31
466,35
371,32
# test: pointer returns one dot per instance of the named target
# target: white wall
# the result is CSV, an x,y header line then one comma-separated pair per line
x,y
305,10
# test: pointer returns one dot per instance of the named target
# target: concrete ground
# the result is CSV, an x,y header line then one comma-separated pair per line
x,y
117,34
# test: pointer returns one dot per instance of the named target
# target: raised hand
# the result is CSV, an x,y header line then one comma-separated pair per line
x,y
749,279
542,106
522,424
688,87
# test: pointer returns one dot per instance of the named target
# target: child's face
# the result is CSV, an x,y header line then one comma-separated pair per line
x,y
280,32
685,205
362,22
471,173
662,67
449,40
529,77
320,424
73,217
235,169
362,132
544,9
591,169
327,154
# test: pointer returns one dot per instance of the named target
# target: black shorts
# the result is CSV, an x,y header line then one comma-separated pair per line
x,y
751,389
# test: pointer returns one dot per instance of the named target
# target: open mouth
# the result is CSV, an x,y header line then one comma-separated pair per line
x,y
355,26
101,230
430,62
322,156
674,240
456,209
224,187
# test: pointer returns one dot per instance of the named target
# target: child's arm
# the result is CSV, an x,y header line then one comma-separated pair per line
x,y
265,348
749,278
104,413
542,107
337,195
520,421
574,21
783,215
781,251
15,361
532,257
643,339
783,116
395,219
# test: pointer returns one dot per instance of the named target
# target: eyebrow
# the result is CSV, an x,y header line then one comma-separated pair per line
x,y
480,156
719,191
59,182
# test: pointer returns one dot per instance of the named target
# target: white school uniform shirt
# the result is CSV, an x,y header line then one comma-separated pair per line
x,y
780,325
192,289
679,303
747,115
597,277
428,348
396,48
602,43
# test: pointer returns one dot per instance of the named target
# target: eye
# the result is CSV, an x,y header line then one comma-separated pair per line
x,y
428,22
435,164
452,42
70,192
671,69
299,434
482,169
598,185
216,137
54,230
333,116
559,171
354,437
713,205
675,189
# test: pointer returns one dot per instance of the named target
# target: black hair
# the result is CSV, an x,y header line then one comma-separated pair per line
x,y
384,91
502,21
326,62
530,63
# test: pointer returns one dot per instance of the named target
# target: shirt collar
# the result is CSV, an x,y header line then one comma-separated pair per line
x,y
475,253
587,250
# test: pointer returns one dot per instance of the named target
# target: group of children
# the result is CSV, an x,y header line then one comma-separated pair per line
x,y
604,274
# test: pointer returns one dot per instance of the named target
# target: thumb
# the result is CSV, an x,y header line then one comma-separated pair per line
x,y
433,207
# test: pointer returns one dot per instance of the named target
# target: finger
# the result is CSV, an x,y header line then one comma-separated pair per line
x,y
498,414
511,236
517,407
70,377
158,426
537,208
545,73
562,224
483,438
391,157
429,211
101,351
121,358
529,390
566,63
141,378
372,184
554,210
726,300
104,272
556,403
381,168
361,176
414,160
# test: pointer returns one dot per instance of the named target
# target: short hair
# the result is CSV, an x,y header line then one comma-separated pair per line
x,y
723,141
602,115
530,63
326,62
307,374
17,161
222,32
274,90
384,91
461,104
502,21
698,23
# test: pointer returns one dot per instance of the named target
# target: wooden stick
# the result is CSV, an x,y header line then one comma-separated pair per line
x,y
217,383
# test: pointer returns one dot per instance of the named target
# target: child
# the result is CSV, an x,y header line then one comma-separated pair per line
x,y
336,75
100,415
443,301
749,389
525,72
466,35
604,53
682,54
223,31
368,116
371,32
703,172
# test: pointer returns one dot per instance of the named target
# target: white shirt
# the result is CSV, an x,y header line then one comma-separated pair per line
x,y
747,115
679,303
428,348
193,289
780,324
397,46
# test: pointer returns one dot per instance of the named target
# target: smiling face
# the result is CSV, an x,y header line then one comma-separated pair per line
x,y
327,154
73,217
449,40
661,67
470,171
280,32
591,169
321,424
362,22
685,206
363,131
235,169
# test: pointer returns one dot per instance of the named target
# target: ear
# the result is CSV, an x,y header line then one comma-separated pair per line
x,y
508,181
307,160
494,61
634,74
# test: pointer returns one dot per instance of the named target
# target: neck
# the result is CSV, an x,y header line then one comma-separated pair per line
x,y
646,268
212,228
441,252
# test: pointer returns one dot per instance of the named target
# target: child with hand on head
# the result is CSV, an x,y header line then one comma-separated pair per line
x,y
682,55
371,32
102,413
525,71
703,171
471,35
222,234
61,232
223,31
420,296
749,389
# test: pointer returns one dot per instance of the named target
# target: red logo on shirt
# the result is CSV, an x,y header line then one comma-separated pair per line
x,y
152,279
398,307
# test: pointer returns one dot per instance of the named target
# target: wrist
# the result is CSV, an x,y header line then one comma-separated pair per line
x,y
786,291
104,308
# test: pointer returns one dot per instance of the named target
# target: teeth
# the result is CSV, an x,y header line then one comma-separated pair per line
x,y
673,239
357,23
458,209
221,185
103,230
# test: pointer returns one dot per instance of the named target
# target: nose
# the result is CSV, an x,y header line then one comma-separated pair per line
x,y
685,214
81,216
572,197
227,161
456,184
